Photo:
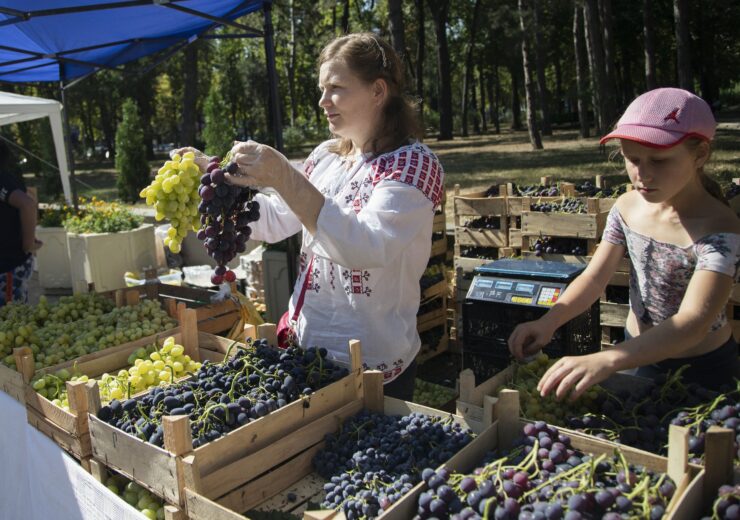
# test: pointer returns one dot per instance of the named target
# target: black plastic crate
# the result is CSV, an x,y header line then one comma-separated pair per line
x,y
488,325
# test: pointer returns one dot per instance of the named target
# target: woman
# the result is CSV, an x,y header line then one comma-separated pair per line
x,y
684,243
364,203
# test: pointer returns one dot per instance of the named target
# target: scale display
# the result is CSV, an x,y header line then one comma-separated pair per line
x,y
533,293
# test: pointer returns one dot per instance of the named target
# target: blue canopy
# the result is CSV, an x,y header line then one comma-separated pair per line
x,y
53,40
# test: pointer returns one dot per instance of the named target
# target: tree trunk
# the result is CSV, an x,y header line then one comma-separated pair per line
x,y
494,98
595,47
580,74
474,105
708,65
345,18
440,10
291,65
610,57
539,57
648,32
190,94
559,97
468,72
395,19
529,88
683,44
516,109
421,42
482,78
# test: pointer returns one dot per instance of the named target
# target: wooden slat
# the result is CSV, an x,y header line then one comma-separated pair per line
x,y
482,207
515,238
79,446
481,237
439,247
425,354
719,452
373,390
147,464
66,421
535,223
259,490
438,289
11,382
614,314
294,499
219,324
200,508
432,316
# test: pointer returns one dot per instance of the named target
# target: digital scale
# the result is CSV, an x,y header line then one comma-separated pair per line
x,y
536,283
507,292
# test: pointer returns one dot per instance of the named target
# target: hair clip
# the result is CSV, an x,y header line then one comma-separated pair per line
x,y
382,52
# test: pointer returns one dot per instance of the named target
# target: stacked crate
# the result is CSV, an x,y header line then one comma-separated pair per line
x,y
431,320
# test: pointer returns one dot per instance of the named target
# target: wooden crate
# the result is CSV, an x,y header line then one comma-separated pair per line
x,y
70,429
428,352
213,317
589,226
212,466
434,291
502,414
290,486
614,314
439,224
439,247
432,318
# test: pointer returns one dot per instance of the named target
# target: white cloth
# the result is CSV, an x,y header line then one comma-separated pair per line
x,y
370,250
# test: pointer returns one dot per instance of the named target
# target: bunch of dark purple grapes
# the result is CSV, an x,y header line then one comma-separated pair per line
x,y
485,223
568,205
537,190
543,477
375,459
559,245
226,212
727,504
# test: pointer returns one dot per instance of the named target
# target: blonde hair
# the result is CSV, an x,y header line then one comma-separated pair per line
x,y
371,58
710,185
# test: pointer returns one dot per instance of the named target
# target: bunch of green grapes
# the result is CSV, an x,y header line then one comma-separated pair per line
x,y
432,395
174,195
148,504
58,341
150,367
548,408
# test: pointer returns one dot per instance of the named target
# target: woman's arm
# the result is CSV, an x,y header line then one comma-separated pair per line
x,y
277,222
706,295
529,337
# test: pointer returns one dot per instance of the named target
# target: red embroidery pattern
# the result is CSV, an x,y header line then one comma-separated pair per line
x,y
355,280
415,167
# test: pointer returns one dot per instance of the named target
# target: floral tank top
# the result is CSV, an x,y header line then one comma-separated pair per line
x,y
661,272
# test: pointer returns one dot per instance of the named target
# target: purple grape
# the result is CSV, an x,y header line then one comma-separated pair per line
x,y
211,231
207,193
468,484
201,235
217,176
206,179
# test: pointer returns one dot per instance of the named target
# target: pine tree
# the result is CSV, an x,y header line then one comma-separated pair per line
x,y
218,134
131,163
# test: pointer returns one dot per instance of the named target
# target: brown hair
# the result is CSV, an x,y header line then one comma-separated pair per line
x,y
709,184
371,58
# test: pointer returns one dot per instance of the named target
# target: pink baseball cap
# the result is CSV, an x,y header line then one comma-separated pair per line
x,y
665,117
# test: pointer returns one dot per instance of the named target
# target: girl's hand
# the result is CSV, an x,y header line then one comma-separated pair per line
x,y
201,159
259,165
528,338
578,373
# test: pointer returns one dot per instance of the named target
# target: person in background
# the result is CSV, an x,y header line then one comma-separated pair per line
x,y
684,243
18,213
364,203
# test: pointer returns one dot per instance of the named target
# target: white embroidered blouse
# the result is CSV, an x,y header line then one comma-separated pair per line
x,y
370,249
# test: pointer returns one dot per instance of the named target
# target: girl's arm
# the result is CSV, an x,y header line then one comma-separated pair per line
x,y
529,337
706,295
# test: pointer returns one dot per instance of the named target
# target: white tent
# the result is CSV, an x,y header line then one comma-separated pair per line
x,y
15,108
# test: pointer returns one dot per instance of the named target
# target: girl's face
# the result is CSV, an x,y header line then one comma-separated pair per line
x,y
352,107
659,174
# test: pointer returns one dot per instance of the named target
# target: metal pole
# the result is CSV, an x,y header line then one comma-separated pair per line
x,y
277,127
68,138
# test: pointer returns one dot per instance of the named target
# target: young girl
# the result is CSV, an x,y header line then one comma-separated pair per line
x,y
684,243
364,204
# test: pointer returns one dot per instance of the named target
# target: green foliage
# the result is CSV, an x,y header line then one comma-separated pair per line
x,y
218,132
54,216
131,163
99,217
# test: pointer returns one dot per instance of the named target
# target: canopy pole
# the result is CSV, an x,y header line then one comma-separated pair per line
x,y
68,138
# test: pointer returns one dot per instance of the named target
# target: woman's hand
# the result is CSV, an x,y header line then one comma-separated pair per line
x,y
528,338
201,159
259,165
578,373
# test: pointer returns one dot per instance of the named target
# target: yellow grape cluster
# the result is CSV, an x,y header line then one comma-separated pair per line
x,y
150,367
174,195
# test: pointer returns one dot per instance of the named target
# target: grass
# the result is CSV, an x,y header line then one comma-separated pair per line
x,y
477,162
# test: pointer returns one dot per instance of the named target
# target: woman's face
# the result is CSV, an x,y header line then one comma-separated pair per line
x,y
659,174
352,107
